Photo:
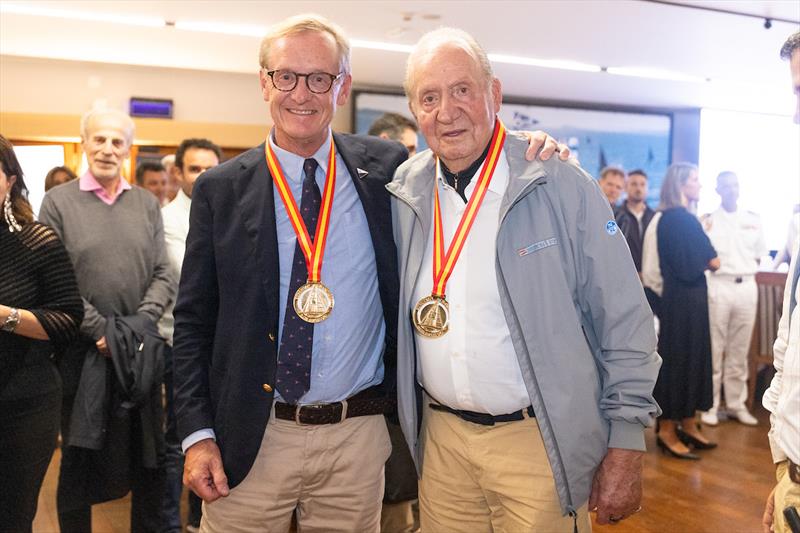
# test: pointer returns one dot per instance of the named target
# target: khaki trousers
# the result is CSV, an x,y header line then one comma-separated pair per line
x,y
330,475
397,517
786,493
493,479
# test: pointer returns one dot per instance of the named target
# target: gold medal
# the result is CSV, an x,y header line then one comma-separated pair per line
x,y
313,302
431,316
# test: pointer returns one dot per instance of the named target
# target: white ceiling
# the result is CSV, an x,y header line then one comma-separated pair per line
x,y
736,52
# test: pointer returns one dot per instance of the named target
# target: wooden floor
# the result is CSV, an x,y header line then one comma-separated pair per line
x,y
724,492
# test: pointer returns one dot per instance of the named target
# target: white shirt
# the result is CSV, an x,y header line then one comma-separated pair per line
x,y
176,227
782,398
473,366
651,266
738,239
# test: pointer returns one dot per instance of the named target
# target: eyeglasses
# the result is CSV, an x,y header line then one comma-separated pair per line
x,y
317,82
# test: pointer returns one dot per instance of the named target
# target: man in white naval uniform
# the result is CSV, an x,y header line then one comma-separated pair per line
x,y
732,298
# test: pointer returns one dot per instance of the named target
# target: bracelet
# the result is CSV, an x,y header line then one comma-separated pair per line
x,y
11,321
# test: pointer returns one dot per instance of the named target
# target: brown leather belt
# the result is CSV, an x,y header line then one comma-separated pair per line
x,y
794,472
371,401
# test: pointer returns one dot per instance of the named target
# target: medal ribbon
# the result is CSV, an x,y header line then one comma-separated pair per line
x,y
443,264
313,251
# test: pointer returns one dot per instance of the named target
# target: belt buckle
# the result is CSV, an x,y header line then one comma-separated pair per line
x,y
298,409
311,406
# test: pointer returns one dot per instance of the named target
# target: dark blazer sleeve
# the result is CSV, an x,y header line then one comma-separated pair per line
x,y
195,316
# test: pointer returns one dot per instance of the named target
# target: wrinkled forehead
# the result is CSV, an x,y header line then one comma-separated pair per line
x,y
442,62
108,126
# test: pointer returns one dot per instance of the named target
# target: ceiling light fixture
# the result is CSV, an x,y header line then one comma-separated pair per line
x,y
544,63
245,30
130,20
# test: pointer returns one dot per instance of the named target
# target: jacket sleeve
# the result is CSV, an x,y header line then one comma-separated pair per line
x,y
195,319
617,320
161,291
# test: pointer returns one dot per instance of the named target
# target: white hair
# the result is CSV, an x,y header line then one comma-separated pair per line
x,y
127,121
303,23
446,37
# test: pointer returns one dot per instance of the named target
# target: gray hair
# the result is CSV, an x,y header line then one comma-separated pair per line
x,y
127,122
676,177
791,44
446,37
300,24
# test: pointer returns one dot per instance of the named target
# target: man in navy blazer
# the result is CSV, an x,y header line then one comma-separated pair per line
x,y
321,453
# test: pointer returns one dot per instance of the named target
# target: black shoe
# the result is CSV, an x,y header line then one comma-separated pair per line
x,y
667,450
694,442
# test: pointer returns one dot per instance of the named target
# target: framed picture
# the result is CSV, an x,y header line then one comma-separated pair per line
x,y
598,137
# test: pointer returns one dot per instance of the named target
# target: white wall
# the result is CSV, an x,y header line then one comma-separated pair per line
x,y
31,85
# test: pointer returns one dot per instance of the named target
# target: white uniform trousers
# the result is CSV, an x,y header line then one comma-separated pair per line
x,y
732,315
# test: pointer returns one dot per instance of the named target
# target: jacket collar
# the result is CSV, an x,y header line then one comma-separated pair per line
x,y
415,185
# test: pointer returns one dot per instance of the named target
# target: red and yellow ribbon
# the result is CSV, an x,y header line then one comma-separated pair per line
x,y
313,251
443,265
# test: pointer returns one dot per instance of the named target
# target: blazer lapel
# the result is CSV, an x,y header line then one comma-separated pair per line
x,y
368,183
256,201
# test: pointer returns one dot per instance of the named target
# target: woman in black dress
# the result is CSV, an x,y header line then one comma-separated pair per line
x,y
40,312
684,384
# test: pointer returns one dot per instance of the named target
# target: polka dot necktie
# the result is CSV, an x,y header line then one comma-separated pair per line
x,y
293,377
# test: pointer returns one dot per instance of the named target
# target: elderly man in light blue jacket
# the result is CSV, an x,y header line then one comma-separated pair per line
x,y
526,351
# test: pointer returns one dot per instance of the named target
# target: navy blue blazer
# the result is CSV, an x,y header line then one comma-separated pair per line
x,y
226,315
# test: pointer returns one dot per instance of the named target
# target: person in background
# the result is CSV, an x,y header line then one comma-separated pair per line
x,y
152,175
782,399
400,511
193,157
634,215
172,182
737,237
115,238
40,313
612,182
684,253
57,176
396,127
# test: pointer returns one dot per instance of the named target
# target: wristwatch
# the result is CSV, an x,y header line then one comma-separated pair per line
x,y
11,321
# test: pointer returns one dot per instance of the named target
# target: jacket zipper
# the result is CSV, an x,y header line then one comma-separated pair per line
x,y
524,192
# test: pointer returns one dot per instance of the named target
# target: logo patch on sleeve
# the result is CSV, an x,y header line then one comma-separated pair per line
x,y
611,227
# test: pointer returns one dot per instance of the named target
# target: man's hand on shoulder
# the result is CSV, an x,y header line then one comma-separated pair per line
x,y
548,145
617,486
203,472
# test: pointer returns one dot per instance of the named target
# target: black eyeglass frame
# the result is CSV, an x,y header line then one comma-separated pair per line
x,y
297,75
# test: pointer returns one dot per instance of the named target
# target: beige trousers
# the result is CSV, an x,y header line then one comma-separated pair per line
x,y
397,517
331,475
786,493
493,479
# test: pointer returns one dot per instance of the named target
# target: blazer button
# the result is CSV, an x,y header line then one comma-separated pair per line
x,y
271,336
266,387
